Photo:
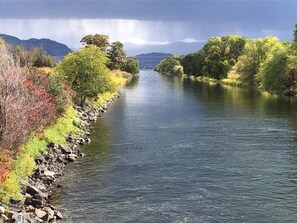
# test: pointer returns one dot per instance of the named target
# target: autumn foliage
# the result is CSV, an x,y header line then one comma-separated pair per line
x,y
25,105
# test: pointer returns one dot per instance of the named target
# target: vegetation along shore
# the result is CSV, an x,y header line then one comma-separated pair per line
x,y
264,63
46,112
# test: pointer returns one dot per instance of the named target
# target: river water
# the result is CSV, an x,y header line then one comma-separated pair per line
x,y
173,150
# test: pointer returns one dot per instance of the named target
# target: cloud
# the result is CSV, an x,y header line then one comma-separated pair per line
x,y
70,31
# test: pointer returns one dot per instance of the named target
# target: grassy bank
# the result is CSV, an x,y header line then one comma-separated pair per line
x,y
66,124
212,81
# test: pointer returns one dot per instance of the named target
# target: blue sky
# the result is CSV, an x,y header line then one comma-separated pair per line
x,y
147,22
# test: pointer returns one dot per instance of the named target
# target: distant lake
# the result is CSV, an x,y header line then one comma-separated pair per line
x,y
173,150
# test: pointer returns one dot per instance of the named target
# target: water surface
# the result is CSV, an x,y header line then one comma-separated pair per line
x,y
173,150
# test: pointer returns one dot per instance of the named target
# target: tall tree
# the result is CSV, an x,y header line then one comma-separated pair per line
x,y
220,54
99,40
256,52
117,55
131,66
86,72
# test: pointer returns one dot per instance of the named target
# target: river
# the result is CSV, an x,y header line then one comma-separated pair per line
x,y
173,150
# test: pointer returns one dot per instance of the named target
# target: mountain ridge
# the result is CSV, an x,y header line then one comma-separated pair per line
x,y
51,47
150,60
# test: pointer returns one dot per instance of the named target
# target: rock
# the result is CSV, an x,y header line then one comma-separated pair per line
x,y
38,203
30,208
52,207
49,173
53,145
27,218
61,159
81,141
35,192
72,157
40,214
4,218
59,215
2,210
65,149
13,215
39,159
49,212
39,220
82,154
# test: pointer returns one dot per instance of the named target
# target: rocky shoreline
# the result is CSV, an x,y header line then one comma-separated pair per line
x,y
36,208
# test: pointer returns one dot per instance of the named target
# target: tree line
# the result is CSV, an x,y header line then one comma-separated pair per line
x,y
265,63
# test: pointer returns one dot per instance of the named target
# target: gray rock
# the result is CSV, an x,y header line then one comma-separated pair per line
x,y
59,215
50,213
13,215
72,157
4,218
82,154
66,150
49,173
40,213
2,210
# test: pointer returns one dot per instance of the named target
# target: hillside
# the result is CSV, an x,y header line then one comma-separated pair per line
x,y
53,48
150,60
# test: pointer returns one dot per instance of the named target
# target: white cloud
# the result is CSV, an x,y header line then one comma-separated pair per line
x,y
191,40
70,31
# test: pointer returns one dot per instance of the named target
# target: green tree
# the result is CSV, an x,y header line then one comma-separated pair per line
x,y
170,66
256,52
21,54
38,58
272,75
99,40
117,55
221,54
131,66
291,74
86,72
187,63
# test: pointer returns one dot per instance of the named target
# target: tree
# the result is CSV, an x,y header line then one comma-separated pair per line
x,y
99,40
272,76
170,66
256,52
291,74
187,63
86,72
221,54
38,58
21,54
24,106
131,66
117,55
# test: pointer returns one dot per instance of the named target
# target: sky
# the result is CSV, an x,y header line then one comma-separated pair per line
x,y
147,24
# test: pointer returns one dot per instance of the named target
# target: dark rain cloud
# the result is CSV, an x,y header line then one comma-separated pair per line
x,y
202,18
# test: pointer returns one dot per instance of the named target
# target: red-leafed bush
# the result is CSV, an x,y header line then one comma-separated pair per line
x,y
3,174
25,104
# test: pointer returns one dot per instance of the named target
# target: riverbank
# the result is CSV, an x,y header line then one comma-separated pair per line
x,y
27,189
49,168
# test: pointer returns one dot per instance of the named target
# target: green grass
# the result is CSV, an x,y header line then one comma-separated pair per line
x,y
64,126
24,165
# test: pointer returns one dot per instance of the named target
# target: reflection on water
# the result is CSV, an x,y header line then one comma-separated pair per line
x,y
177,150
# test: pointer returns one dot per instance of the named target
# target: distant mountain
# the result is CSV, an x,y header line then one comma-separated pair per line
x,y
179,48
150,60
53,48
